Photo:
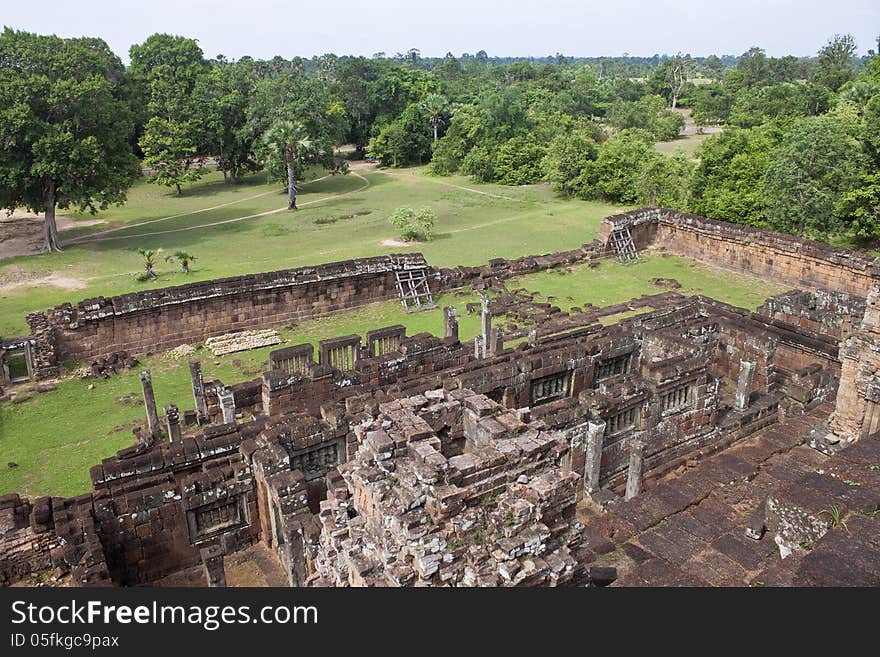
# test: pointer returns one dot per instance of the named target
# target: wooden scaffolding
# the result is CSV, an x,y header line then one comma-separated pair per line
x,y
623,244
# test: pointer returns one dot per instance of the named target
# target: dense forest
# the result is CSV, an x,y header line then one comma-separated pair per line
x,y
799,150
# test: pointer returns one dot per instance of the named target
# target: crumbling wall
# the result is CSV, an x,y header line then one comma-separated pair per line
x,y
156,320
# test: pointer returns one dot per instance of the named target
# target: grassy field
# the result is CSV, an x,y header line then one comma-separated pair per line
x,y
340,217
687,144
612,283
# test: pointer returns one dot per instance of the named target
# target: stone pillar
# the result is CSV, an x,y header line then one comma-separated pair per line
x,y
593,454
150,403
533,336
198,387
744,383
508,398
172,422
486,323
479,348
450,323
212,560
227,405
496,342
634,473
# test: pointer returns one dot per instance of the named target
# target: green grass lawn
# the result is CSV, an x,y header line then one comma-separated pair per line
x,y
55,437
612,283
471,228
686,144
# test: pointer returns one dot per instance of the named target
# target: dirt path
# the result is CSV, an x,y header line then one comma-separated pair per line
x,y
401,174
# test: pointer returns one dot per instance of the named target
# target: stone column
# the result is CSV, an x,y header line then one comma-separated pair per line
x,y
212,560
486,323
450,323
593,454
172,422
744,383
479,349
198,387
150,404
496,342
227,405
533,336
634,473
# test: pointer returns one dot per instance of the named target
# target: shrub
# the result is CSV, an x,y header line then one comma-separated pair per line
x,y
414,225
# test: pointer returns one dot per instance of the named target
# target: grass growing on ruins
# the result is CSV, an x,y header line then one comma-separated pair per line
x,y
340,217
613,283
55,437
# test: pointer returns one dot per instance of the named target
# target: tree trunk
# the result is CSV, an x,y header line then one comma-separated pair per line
x,y
291,186
50,228
179,191
435,132
674,101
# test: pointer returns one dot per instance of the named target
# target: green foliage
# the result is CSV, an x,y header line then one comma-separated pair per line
x,y
167,68
665,181
816,162
835,63
728,182
860,209
518,162
414,225
648,113
612,175
567,157
65,126
407,139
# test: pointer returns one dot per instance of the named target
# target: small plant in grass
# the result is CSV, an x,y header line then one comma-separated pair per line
x,y
149,256
414,225
183,258
850,482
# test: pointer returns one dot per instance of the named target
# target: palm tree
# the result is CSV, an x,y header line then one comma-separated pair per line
x,y
436,106
183,258
149,257
288,143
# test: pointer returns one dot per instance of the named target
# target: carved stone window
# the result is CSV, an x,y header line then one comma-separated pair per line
x,y
677,398
609,367
622,421
550,388
316,461
206,521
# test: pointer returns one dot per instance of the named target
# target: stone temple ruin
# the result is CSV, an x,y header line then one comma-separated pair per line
x,y
692,444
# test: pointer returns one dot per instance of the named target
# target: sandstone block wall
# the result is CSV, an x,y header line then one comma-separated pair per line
x,y
156,320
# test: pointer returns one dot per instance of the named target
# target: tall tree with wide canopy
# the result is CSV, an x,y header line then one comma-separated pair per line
x,y
168,67
287,147
64,126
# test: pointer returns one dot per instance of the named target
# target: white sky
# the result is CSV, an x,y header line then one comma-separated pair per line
x,y
264,28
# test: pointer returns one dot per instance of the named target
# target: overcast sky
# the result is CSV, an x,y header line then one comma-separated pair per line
x,y
264,28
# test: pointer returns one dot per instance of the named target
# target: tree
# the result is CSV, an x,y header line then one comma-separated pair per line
x,y
860,208
168,67
414,225
149,257
64,127
437,108
568,155
220,100
183,258
287,147
665,181
611,176
674,74
834,67
815,163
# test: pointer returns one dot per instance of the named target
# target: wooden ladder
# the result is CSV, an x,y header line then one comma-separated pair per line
x,y
415,294
623,244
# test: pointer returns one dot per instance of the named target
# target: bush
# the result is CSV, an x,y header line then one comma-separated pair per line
x,y
414,225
